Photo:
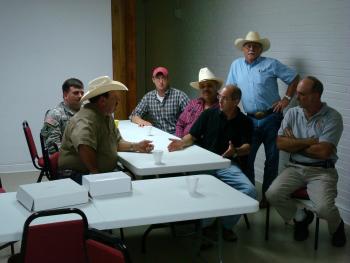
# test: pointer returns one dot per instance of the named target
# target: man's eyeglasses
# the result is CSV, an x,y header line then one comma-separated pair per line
x,y
224,98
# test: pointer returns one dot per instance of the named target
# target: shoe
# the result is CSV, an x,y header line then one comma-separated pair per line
x,y
263,203
229,235
339,238
301,231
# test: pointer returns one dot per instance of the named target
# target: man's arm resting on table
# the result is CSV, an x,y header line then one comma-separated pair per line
x,y
141,122
88,157
177,144
144,146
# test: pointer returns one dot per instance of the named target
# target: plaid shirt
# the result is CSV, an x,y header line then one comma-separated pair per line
x,y
163,114
190,114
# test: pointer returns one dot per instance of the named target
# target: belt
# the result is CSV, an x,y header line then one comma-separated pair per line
x,y
324,164
260,114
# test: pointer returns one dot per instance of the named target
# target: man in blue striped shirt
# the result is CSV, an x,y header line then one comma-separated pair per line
x,y
257,77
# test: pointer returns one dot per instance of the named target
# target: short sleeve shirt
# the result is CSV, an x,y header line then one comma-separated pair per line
x,y
258,81
89,127
213,130
326,125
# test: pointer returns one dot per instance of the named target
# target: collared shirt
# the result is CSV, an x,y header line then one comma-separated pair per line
x,y
326,125
55,122
258,81
214,131
92,128
163,114
190,114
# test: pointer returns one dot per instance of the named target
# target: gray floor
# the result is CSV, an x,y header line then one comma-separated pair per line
x,y
251,246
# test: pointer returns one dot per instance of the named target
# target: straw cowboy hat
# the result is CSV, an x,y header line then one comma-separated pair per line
x,y
204,75
253,37
101,85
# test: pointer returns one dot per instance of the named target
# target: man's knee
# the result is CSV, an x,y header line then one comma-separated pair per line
x,y
324,210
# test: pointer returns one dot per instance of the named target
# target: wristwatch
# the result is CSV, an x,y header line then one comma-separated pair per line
x,y
289,98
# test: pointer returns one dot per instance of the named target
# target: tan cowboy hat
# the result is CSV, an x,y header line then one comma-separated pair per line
x,y
101,85
204,75
253,37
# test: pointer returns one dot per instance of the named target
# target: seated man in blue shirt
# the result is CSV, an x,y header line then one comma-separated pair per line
x,y
257,77
227,132
310,133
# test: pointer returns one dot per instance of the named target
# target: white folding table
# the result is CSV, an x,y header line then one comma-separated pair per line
x,y
190,159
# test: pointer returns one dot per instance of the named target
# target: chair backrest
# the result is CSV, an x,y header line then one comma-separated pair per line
x,y
50,161
55,242
31,144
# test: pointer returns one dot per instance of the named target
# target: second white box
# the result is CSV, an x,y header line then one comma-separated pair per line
x,y
107,183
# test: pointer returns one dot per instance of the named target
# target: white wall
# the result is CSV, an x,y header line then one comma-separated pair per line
x,y
311,36
42,44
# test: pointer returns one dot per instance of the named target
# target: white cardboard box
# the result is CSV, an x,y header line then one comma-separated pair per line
x,y
107,183
52,194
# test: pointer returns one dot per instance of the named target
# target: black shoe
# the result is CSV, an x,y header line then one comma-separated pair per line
x,y
339,238
301,231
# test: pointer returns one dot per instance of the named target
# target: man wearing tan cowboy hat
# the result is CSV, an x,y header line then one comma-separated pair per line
x,y
91,140
163,105
228,132
257,78
208,85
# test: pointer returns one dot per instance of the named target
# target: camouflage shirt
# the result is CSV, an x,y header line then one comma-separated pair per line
x,y
55,122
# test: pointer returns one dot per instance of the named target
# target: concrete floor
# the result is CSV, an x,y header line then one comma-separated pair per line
x,y
250,247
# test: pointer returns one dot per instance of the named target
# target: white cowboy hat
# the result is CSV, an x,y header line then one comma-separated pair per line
x,y
253,37
101,85
204,75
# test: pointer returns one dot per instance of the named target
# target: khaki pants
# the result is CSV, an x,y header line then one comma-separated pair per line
x,y
321,187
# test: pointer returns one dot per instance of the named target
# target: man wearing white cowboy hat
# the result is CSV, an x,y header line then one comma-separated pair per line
x,y
208,84
163,105
257,78
91,140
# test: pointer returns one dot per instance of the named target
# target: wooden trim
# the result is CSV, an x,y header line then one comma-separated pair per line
x,y
123,14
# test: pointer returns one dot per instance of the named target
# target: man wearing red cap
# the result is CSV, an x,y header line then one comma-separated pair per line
x,y
163,105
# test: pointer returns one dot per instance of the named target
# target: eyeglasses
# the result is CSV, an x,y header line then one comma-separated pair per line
x,y
223,98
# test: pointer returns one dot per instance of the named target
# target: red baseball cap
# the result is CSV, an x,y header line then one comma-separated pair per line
x,y
161,70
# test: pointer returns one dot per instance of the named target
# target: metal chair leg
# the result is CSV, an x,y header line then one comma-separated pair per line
x,y
316,232
122,234
267,222
246,221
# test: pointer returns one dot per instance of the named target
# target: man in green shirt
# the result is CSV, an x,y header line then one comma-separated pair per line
x,y
91,140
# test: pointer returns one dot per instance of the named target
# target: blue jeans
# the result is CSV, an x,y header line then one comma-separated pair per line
x,y
265,132
234,177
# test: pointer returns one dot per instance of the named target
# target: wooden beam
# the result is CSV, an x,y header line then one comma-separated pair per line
x,y
123,14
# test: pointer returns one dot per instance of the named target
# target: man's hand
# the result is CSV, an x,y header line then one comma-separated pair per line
x,y
175,145
144,146
288,133
230,152
143,123
280,105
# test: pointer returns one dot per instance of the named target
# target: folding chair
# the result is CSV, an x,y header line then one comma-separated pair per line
x,y
2,190
302,198
50,160
37,161
67,241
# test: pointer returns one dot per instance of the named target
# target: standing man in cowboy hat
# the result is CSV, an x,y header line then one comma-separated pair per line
x,y
208,85
257,77
57,118
91,140
163,105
